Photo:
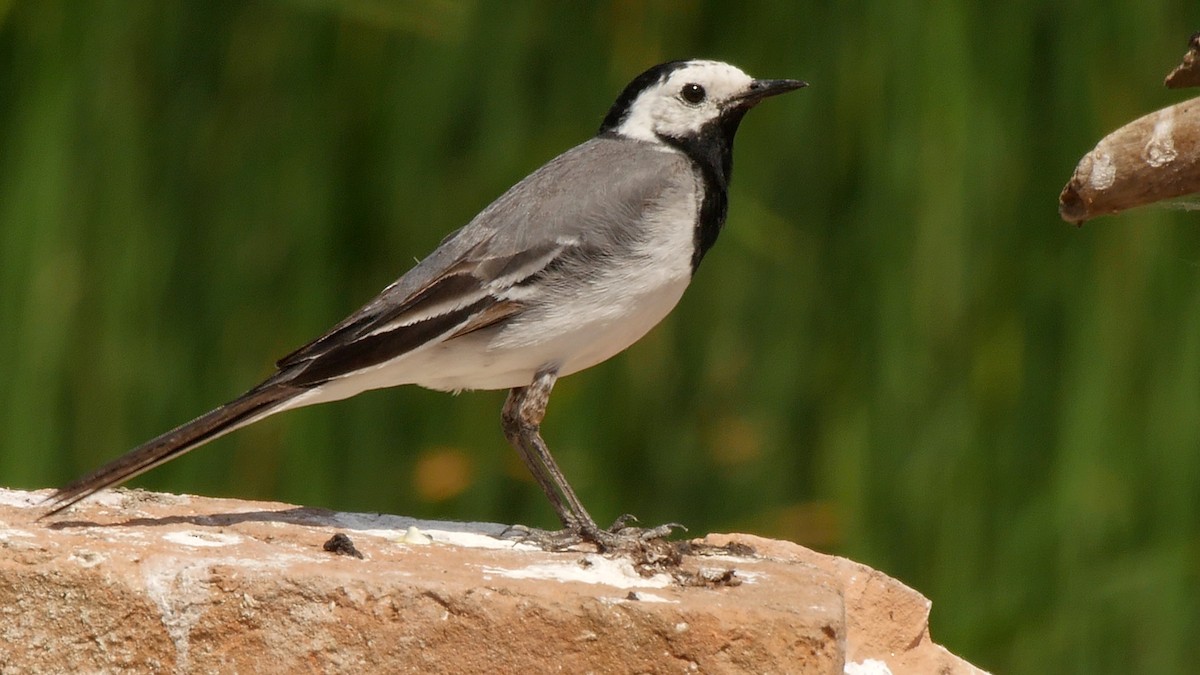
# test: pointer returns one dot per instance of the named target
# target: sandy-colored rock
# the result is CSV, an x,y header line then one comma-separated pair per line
x,y
143,582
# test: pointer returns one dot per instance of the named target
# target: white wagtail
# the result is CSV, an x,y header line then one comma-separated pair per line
x,y
567,268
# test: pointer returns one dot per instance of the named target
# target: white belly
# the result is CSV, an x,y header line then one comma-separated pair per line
x,y
571,337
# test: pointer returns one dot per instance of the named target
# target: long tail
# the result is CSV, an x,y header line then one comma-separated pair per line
x,y
250,407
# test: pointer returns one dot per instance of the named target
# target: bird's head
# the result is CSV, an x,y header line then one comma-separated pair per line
x,y
679,100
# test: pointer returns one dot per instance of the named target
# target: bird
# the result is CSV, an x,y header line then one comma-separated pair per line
x,y
564,270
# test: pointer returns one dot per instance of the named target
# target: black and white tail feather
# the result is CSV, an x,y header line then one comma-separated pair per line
x,y
566,269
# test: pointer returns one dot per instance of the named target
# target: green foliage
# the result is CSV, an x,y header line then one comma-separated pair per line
x,y
897,351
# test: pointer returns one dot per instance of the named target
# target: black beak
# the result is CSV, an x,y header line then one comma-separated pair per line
x,y
760,89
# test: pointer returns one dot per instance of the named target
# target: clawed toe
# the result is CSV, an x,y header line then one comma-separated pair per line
x,y
660,532
547,540
621,528
619,537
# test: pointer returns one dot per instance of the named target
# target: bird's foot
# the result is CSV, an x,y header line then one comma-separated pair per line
x,y
619,537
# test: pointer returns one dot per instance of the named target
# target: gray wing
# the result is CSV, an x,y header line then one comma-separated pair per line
x,y
584,202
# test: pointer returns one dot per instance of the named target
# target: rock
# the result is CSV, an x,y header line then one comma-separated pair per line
x,y
142,582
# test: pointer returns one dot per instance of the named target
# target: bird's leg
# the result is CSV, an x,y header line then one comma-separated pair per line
x,y
522,418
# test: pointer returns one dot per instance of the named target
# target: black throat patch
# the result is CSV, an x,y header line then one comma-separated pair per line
x,y
711,152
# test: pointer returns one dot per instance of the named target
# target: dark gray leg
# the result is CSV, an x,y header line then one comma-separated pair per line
x,y
522,419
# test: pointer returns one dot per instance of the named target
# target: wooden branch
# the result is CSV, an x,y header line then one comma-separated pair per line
x,y
1152,158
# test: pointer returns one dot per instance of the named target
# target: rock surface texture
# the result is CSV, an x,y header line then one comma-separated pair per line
x,y
142,582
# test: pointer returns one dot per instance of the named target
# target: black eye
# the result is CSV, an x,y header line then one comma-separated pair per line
x,y
692,93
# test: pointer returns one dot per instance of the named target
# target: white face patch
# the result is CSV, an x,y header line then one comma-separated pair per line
x,y
664,110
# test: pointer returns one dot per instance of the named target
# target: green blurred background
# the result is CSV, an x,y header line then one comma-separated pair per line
x,y
897,352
